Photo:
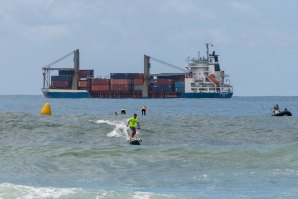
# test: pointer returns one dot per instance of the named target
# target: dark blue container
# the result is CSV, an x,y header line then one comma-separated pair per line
x,y
63,78
162,88
179,84
126,75
120,75
66,72
179,87
172,77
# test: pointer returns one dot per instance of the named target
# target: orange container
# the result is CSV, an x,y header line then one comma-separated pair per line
x,y
120,81
138,81
84,84
119,87
98,81
60,84
101,87
162,81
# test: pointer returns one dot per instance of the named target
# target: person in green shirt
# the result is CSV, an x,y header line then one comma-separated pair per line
x,y
133,122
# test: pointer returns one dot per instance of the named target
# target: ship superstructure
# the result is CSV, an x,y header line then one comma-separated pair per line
x,y
206,79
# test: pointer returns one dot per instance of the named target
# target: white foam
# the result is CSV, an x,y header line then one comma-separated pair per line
x,y
8,190
120,130
142,195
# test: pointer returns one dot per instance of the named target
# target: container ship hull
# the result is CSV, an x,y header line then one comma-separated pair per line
x,y
54,93
206,95
64,93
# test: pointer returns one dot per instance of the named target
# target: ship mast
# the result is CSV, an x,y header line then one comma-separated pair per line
x,y
146,76
76,61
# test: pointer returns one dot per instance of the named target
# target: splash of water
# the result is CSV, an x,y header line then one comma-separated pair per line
x,y
120,128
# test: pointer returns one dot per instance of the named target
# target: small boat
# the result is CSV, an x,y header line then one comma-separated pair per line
x,y
283,113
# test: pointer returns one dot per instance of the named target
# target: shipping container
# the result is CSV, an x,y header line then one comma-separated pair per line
x,y
120,81
60,84
179,89
66,72
174,78
126,75
86,73
138,81
138,87
120,87
84,84
179,84
61,78
99,81
82,73
161,88
138,76
120,75
100,87
162,81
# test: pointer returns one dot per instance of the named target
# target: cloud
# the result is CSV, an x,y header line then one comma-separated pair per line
x,y
186,7
65,11
244,8
46,33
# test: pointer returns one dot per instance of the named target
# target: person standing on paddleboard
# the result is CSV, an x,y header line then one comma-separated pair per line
x,y
133,122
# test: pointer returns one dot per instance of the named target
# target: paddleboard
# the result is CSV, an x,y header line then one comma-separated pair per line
x,y
135,141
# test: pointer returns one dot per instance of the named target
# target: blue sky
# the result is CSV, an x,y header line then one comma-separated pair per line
x,y
257,40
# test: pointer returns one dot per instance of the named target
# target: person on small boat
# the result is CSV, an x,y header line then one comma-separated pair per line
x,y
276,109
133,122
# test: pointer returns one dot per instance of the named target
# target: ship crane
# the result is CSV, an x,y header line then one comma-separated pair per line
x,y
147,66
170,65
48,68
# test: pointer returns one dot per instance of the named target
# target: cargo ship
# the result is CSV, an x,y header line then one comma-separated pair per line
x,y
201,78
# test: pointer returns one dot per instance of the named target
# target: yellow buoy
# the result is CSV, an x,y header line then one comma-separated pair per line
x,y
46,110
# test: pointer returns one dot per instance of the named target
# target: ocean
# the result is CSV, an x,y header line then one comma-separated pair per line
x,y
191,148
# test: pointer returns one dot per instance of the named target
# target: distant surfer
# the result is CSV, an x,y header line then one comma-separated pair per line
x,y
123,112
133,122
144,110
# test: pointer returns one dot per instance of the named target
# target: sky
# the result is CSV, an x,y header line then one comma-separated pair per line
x,y
257,41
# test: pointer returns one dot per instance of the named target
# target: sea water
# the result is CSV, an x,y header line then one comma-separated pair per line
x,y
192,148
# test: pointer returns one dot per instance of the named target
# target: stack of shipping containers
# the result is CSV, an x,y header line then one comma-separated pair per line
x,y
121,82
121,85
64,79
161,85
61,81
101,85
164,85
